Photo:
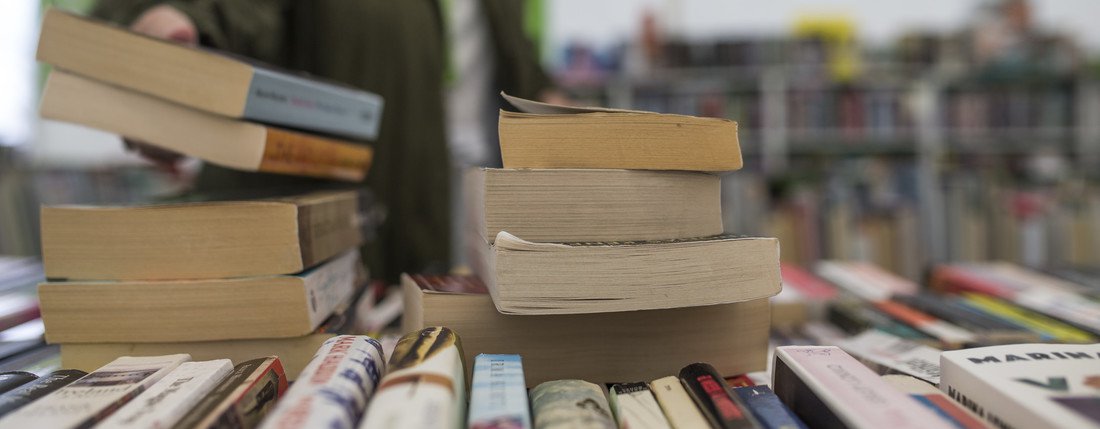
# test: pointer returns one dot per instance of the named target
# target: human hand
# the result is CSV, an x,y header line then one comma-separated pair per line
x,y
163,22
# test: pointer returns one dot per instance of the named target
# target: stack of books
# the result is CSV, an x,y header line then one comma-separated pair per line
x,y
601,237
214,276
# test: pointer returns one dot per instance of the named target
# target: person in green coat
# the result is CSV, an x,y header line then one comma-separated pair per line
x,y
394,48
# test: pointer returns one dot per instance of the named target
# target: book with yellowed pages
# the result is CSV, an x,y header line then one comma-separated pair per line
x,y
199,240
205,79
197,310
599,277
544,135
564,205
216,139
590,346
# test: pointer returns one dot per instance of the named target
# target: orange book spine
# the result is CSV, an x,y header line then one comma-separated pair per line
x,y
289,152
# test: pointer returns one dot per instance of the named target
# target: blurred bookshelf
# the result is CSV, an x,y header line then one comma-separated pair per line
x,y
906,156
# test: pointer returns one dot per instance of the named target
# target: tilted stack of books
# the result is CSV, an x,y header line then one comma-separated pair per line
x,y
215,276
601,251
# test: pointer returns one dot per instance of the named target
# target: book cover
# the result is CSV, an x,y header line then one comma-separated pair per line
x,y
826,386
498,394
564,404
425,385
715,398
13,379
333,390
894,355
635,407
678,406
166,401
94,397
935,400
1027,385
767,408
30,392
242,399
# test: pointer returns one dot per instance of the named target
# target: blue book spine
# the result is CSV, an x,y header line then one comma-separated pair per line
x,y
498,394
767,408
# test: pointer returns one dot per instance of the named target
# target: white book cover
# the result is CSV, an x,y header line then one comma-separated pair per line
x,y
166,401
425,386
897,354
1027,385
334,388
635,407
95,396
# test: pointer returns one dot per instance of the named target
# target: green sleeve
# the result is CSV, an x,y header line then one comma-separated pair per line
x,y
253,28
519,71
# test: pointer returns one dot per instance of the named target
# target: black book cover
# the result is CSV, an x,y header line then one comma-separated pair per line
x,y
43,386
12,379
712,394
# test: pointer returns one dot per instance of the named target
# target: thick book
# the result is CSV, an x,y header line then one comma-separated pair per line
x,y
888,354
216,139
425,385
498,394
563,404
30,392
590,346
829,388
769,411
165,402
551,136
715,398
678,406
199,240
544,205
241,400
12,380
1026,385
935,400
205,79
197,310
1031,320
599,277
94,397
333,390
635,407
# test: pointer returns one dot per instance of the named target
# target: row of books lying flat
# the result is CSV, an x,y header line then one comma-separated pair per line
x,y
965,304
424,382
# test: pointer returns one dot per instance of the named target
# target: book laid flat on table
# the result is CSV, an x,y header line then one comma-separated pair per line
x,y
204,79
227,142
199,240
1027,385
591,346
935,400
197,310
598,277
596,205
551,136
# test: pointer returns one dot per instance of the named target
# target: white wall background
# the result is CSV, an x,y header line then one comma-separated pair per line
x,y
602,22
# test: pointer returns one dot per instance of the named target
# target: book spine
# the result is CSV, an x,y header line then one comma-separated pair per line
x,y
1026,318
857,397
329,285
950,335
570,403
11,380
95,396
498,394
211,402
948,410
956,388
165,403
334,388
767,408
635,407
677,405
714,397
296,102
425,385
30,392
288,152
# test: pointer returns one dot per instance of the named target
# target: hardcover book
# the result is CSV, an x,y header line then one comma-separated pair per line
x,y
227,142
94,397
551,136
1027,385
197,310
597,277
206,239
595,342
205,79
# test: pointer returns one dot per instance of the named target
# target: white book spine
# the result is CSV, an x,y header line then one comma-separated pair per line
x,y
426,385
165,402
334,388
329,285
92,398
